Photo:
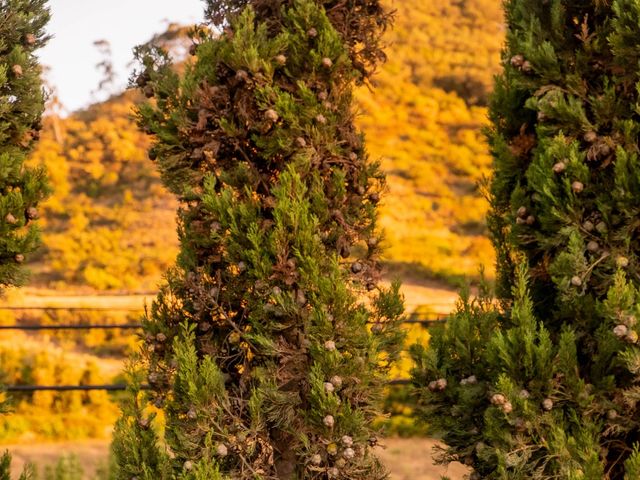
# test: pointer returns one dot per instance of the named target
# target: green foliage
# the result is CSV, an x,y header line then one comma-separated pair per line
x,y
22,25
135,447
554,391
261,353
66,468
29,472
632,465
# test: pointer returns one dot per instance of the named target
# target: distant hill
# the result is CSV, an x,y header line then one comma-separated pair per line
x,y
424,121
110,224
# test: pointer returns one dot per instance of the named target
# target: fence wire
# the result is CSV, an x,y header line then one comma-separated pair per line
x,y
425,320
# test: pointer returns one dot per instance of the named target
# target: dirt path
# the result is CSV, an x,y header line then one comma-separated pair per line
x,y
91,453
408,459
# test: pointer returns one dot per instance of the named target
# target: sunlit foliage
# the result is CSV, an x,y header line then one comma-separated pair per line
x,y
54,415
425,123
109,224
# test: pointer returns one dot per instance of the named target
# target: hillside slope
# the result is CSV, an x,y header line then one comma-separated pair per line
x,y
424,121
110,224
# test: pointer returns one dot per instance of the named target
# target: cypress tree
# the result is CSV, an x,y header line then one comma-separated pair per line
x,y
542,381
268,347
22,25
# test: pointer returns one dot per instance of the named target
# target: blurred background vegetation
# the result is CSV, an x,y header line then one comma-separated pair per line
x,y
109,224
109,227
424,121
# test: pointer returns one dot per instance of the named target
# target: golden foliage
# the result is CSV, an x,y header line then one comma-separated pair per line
x,y
424,120
109,224
53,415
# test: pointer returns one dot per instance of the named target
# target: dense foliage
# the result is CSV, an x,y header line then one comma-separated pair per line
x,y
261,353
546,385
22,25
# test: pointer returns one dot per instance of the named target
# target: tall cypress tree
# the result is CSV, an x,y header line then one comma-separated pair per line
x,y
543,383
268,347
22,25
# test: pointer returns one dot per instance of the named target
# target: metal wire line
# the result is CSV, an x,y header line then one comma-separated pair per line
x,y
424,320
124,326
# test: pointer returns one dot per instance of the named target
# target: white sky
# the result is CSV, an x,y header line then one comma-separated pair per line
x,y
76,24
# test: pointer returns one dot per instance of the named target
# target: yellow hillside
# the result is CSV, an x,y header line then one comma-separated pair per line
x,y
110,224
424,121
